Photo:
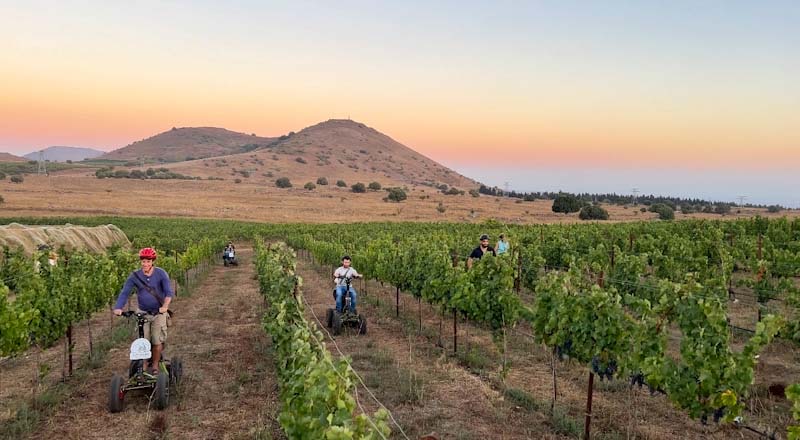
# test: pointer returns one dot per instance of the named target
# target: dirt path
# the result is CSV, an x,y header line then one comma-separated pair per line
x,y
426,393
229,390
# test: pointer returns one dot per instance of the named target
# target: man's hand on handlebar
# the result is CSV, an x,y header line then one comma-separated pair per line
x,y
118,312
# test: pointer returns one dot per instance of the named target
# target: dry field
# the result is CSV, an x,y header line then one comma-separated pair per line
x,y
76,192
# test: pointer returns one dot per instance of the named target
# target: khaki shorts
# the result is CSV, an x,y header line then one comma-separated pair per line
x,y
156,332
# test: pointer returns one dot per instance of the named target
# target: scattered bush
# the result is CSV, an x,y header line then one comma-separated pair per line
x,y
310,186
441,208
341,183
359,188
17,179
722,209
688,209
374,186
237,180
138,174
774,208
396,195
474,193
593,212
2,200
2,176
300,160
567,203
453,192
664,212
322,181
283,182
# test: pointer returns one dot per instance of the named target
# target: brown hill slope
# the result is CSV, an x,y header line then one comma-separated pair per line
x,y
335,149
189,143
8,157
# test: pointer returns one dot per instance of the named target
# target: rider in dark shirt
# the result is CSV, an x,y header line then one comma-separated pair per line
x,y
478,252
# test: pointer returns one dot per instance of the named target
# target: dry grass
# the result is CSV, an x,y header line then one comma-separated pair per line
x,y
257,199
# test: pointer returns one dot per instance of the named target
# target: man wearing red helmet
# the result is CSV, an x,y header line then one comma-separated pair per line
x,y
153,295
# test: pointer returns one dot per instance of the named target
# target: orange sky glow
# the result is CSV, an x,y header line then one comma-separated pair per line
x,y
103,77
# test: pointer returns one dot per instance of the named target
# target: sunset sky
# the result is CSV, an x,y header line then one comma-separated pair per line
x,y
505,90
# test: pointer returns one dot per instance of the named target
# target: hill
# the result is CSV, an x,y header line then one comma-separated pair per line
x,y
337,150
63,154
189,143
8,157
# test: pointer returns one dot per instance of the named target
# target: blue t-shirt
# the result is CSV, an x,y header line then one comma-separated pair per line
x,y
502,247
158,281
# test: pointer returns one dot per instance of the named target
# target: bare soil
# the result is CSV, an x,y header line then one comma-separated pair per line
x,y
229,390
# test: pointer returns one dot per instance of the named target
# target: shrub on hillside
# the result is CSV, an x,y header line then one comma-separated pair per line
x,y
300,160
2,176
17,179
474,193
593,212
283,182
341,183
774,208
374,186
664,212
396,195
359,188
322,181
310,186
567,203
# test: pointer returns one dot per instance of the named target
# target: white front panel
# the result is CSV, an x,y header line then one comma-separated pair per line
x,y
140,349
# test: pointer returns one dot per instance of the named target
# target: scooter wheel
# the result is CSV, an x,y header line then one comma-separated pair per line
x,y
162,391
362,325
116,394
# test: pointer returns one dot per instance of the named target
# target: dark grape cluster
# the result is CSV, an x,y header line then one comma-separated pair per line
x,y
605,371
563,351
716,416
638,380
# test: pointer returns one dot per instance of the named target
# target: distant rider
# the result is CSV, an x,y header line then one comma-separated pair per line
x,y
340,277
153,295
502,245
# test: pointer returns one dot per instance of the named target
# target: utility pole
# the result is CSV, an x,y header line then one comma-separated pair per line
x,y
741,200
506,186
42,165
635,196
